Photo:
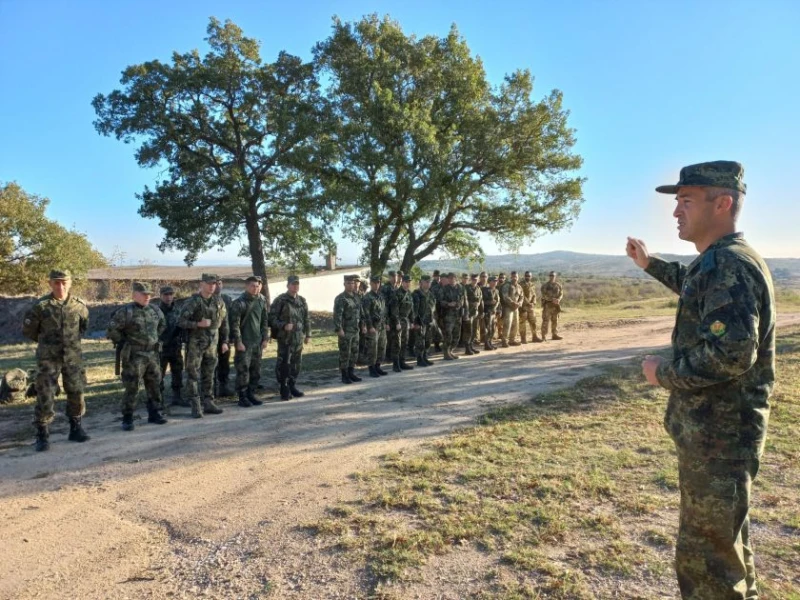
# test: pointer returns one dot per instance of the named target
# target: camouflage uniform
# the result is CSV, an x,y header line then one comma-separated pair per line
x,y
527,314
474,313
375,317
286,309
551,290
57,327
720,379
450,308
249,325
425,318
171,354
491,304
347,316
202,347
139,329
224,358
511,298
437,325
405,311
389,293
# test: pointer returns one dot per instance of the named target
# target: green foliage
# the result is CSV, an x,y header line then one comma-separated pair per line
x,y
234,134
431,155
31,244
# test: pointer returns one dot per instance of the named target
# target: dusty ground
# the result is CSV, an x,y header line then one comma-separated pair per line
x,y
211,508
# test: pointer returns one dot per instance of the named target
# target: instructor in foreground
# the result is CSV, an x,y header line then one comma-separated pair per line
x,y
720,377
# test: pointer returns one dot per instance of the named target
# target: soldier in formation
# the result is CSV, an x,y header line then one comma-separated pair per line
x,y
491,309
552,292
349,323
425,319
56,322
288,318
474,310
527,316
376,321
223,373
511,299
249,334
171,337
450,304
501,281
436,328
389,293
205,319
136,329
405,312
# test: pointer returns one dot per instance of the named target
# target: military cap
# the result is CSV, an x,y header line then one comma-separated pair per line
x,y
292,279
209,278
552,273
425,278
349,278
400,273
464,275
492,278
473,276
253,279
375,279
166,289
436,273
391,273
142,286
58,274
500,275
719,173
406,277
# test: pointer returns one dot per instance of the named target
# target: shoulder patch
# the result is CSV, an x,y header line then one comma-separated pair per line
x,y
718,328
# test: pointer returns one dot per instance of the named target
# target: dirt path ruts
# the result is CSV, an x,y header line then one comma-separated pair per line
x,y
211,508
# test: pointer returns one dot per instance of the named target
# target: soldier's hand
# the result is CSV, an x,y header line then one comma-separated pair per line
x,y
240,347
372,330
637,251
364,330
224,348
204,323
340,333
557,301
398,327
649,367
288,326
386,327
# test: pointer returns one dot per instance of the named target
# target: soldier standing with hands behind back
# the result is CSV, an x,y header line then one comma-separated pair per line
x,y
250,335
552,292
348,321
288,316
171,345
720,377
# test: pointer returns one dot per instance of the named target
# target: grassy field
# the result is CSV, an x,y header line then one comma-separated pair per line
x,y
572,495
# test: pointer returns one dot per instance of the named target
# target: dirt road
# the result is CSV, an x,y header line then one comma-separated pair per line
x,y
211,508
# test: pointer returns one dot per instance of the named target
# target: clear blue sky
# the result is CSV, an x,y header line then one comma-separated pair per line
x,y
652,86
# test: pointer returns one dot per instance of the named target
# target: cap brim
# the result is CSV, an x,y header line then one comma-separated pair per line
x,y
667,189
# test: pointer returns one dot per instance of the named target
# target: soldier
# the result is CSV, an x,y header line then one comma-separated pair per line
x,y
552,292
480,335
425,319
465,331
436,326
223,358
720,376
491,305
205,318
375,318
363,289
250,336
348,321
527,316
405,309
450,306
136,330
511,299
56,323
501,282
474,312
171,345
288,317
393,316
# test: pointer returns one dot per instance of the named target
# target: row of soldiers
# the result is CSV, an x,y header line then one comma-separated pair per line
x,y
389,320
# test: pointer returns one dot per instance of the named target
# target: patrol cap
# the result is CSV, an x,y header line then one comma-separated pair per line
x,y
492,278
375,279
719,173
166,289
349,278
209,278
253,279
60,275
292,279
425,278
406,277
436,273
473,276
141,286
391,273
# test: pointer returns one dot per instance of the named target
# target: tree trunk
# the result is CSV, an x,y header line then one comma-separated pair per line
x,y
257,261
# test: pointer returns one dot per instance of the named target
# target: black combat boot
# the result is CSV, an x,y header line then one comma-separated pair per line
x,y
252,398
396,366
487,346
474,349
244,401
468,350
373,372
426,360
421,361
404,365
346,376
437,348
127,422
285,393
155,416
42,438
210,408
294,391
351,372
378,369
76,432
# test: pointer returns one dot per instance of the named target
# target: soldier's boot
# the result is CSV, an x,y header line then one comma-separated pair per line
x,y
294,391
127,422
503,344
474,349
404,365
421,361
252,398
537,339
42,438
224,390
244,401
557,337
378,369
285,393
523,338
487,346
177,400
446,353
197,411
396,366
346,376
76,432
210,408
437,348
425,358
373,372
351,373
468,350
155,416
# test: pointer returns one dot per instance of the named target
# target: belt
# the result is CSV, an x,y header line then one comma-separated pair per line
x,y
144,347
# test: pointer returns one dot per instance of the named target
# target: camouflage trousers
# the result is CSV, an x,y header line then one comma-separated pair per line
x,y
436,332
713,555
70,366
375,346
527,320
290,360
488,326
405,332
348,349
201,361
451,331
475,328
550,314
466,331
499,324
174,360
141,365
423,338
248,367
510,325
393,343
223,364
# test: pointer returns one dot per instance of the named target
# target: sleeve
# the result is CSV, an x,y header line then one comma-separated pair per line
x,y
276,313
224,326
505,297
338,309
185,316
727,329
116,326
31,324
234,319
306,320
83,323
265,334
670,274
162,321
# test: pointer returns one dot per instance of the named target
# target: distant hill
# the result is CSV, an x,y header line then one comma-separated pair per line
x,y
598,265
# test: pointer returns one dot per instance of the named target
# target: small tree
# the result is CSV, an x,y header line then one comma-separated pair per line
x,y
31,244
235,135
